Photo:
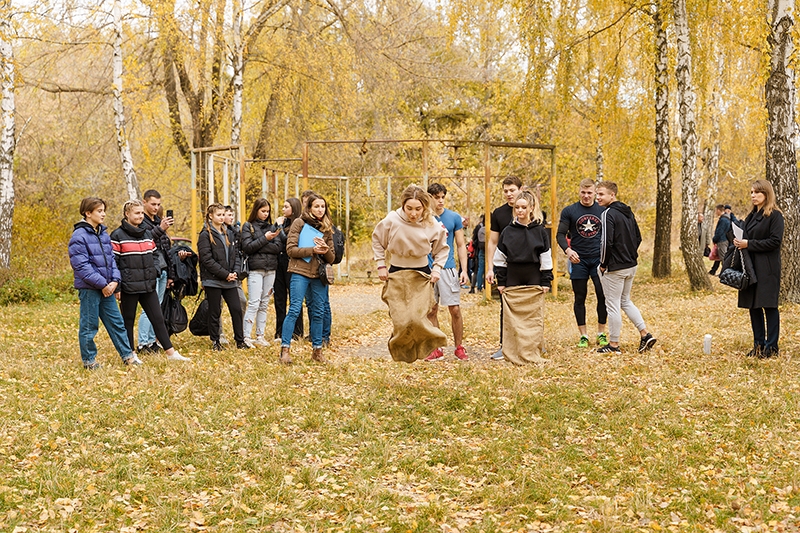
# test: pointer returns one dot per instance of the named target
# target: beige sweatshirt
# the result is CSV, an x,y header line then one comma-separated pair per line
x,y
409,243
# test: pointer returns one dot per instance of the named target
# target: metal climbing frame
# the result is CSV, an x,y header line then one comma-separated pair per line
x,y
488,175
230,159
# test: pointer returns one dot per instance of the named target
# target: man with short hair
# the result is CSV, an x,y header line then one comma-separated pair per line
x,y
158,227
619,247
501,217
720,237
447,290
579,233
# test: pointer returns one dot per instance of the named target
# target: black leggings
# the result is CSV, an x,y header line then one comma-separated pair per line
x,y
231,296
151,307
580,287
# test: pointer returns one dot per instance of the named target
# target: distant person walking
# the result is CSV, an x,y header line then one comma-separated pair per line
x,y
763,235
135,251
720,238
479,245
618,260
579,234
97,278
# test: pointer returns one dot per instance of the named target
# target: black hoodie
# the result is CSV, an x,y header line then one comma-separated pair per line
x,y
621,238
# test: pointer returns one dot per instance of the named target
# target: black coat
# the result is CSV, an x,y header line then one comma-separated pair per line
x,y
214,263
262,254
764,236
134,251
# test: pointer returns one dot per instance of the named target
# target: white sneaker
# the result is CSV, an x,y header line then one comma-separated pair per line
x,y
222,339
175,356
498,355
133,360
248,342
260,341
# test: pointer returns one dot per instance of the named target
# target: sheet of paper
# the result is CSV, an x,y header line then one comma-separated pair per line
x,y
737,231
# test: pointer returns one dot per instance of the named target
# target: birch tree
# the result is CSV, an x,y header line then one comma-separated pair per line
x,y
128,171
781,158
662,257
7,136
690,245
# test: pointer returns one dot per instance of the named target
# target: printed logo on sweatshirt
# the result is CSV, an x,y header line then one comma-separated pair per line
x,y
588,226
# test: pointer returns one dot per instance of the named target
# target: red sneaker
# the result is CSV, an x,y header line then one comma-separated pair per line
x,y
461,353
435,355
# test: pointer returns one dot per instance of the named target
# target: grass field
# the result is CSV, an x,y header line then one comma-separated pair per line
x,y
669,440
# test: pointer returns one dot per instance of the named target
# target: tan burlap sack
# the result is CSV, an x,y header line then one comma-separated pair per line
x,y
523,324
409,295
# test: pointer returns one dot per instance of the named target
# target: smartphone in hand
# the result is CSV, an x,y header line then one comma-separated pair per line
x,y
169,213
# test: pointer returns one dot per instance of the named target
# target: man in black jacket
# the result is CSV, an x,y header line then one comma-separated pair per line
x,y
619,251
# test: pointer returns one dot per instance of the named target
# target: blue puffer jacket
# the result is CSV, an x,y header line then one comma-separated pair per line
x,y
91,257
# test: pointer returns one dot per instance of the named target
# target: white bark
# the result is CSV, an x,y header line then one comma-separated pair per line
x,y
238,74
781,158
690,245
7,138
662,255
131,181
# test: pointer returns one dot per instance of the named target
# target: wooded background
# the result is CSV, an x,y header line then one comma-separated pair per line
x,y
108,98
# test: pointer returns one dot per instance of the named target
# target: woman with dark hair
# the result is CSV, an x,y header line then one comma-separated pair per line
x,y
97,278
262,242
220,270
292,209
134,251
304,263
763,233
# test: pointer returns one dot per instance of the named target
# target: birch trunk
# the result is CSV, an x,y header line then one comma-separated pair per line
x,y
780,154
238,81
131,181
599,157
690,245
662,255
712,166
7,138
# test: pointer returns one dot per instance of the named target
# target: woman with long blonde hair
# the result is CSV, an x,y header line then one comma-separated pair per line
x,y
409,235
763,234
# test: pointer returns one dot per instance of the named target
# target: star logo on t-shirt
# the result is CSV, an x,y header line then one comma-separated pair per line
x,y
588,226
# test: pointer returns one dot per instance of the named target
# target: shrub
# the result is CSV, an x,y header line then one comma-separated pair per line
x,y
15,290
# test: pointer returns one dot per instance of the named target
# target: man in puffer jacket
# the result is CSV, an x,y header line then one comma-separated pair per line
x,y
97,278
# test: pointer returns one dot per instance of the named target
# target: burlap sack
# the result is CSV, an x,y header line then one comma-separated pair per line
x,y
409,295
523,324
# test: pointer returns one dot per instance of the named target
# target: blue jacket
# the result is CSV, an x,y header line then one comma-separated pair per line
x,y
91,257
722,229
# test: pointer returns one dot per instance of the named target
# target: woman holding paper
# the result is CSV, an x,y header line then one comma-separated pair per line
x,y
310,237
763,233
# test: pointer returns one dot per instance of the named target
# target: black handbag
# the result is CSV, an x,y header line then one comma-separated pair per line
x,y
735,275
325,271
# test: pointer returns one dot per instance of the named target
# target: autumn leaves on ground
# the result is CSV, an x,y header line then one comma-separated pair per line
x,y
670,440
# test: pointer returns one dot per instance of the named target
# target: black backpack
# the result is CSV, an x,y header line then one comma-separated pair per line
x,y
338,245
199,323
175,316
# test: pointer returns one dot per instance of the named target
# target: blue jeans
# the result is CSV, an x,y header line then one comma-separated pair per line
x,y
146,334
316,293
95,306
481,270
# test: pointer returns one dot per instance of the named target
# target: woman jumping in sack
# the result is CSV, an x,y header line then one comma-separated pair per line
x,y
763,233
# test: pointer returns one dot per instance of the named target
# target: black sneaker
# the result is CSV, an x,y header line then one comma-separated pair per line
x,y
609,349
647,342
768,353
216,347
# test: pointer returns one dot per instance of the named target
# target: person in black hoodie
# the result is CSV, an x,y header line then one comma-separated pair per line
x,y
619,251
134,251
220,270
262,244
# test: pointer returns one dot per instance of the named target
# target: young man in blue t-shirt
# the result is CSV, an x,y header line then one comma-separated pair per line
x,y
447,290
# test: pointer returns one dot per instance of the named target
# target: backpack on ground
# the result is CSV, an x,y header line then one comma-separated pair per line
x,y
338,245
175,317
199,323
